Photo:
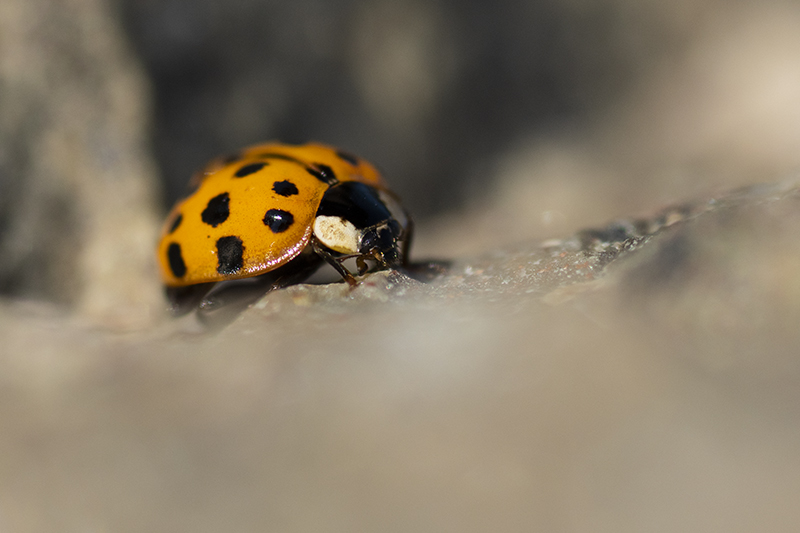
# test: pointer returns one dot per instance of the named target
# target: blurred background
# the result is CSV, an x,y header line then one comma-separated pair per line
x,y
434,91
534,117
447,95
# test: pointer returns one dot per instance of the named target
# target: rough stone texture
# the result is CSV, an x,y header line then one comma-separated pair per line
x,y
609,382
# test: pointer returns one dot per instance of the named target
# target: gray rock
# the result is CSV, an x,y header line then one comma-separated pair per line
x,y
77,214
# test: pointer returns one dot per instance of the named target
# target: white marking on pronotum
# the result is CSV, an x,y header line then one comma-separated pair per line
x,y
337,234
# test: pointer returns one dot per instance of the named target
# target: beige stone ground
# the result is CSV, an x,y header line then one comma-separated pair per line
x,y
642,384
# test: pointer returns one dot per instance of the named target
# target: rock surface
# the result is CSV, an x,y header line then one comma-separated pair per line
x,y
642,375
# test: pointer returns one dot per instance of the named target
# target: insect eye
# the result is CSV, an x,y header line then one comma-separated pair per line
x,y
369,241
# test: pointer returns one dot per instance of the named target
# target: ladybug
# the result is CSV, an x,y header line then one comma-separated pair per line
x,y
272,214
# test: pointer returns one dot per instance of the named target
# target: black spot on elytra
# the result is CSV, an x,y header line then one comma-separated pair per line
x,y
285,188
217,210
348,157
176,223
249,169
175,258
230,255
278,220
323,173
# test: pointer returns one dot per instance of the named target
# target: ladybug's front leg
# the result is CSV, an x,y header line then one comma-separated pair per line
x,y
335,262
362,265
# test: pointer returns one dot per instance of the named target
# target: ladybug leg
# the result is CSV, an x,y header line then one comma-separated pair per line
x,y
223,303
426,271
335,262
407,234
183,300
362,265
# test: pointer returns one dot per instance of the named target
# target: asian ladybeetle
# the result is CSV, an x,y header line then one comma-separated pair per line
x,y
276,212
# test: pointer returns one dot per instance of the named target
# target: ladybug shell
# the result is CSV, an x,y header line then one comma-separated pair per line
x,y
252,212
